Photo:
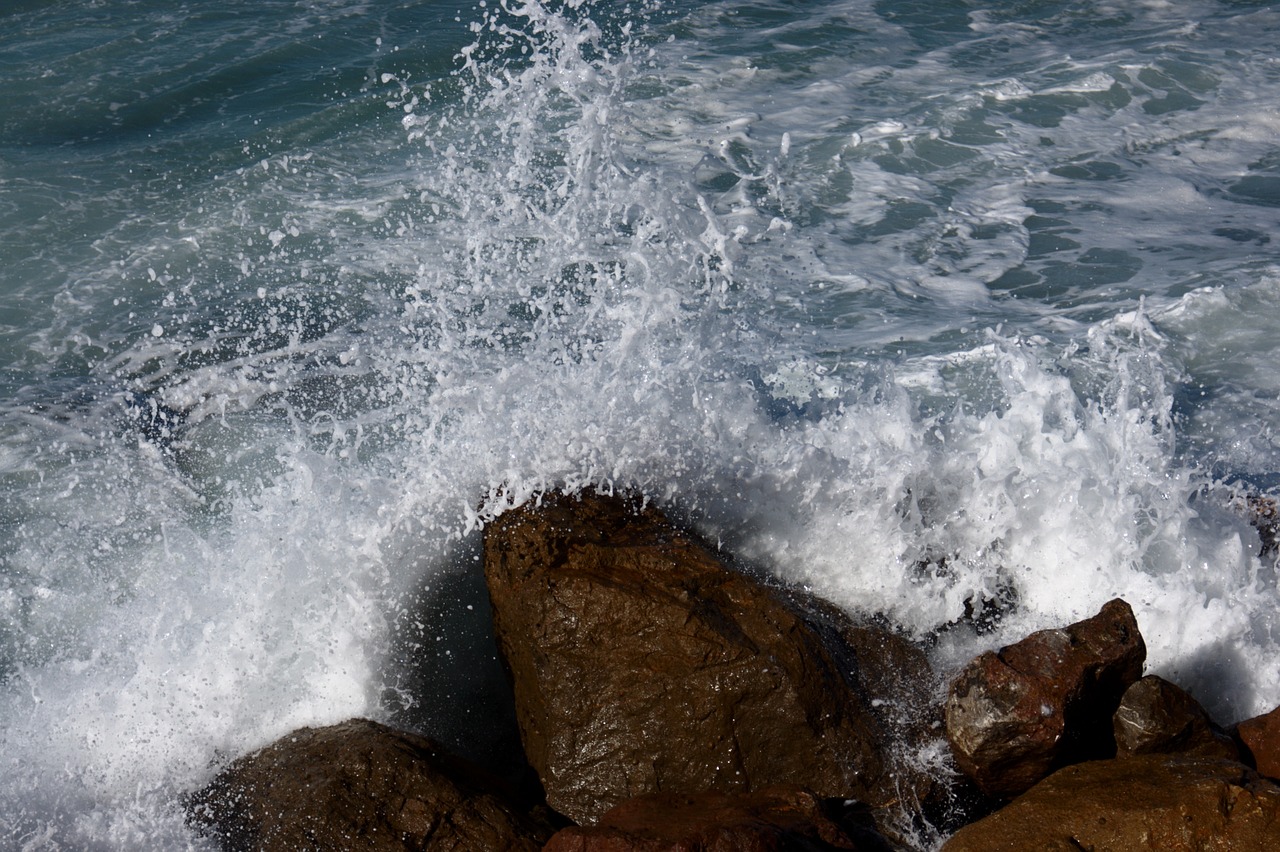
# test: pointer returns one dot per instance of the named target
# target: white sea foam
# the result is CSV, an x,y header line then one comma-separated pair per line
x,y
781,298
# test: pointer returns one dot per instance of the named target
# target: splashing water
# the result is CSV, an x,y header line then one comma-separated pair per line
x,y
579,264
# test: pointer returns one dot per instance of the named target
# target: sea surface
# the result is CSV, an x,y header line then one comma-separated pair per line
x,y
962,313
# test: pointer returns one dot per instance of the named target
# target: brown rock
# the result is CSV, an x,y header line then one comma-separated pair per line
x,y
640,663
1047,701
1260,736
894,679
1152,803
358,785
891,674
1158,717
776,818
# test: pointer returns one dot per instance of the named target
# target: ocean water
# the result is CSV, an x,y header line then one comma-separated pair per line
x,y
963,313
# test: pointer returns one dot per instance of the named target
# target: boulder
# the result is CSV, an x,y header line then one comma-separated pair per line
x,y
641,663
358,785
1014,715
1151,803
891,675
1158,717
776,818
1260,737
893,678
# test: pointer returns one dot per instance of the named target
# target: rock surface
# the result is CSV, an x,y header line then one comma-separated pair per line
x,y
640,663
1158,717
1260,736
889,673
1015,715
358,786
771,819
1151,803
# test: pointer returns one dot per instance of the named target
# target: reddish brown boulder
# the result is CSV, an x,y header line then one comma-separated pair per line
x,y
1158,717
1152,803
1260,736
640,663
773,819
358,785
1013,716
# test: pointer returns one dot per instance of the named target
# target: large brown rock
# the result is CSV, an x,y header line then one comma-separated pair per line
x,y
1158,717
1015,715
776,818
1260,736
890,673
358,786
894,679
640,663
1153,803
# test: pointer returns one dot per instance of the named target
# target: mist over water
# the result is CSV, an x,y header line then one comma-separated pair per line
x,y
931,309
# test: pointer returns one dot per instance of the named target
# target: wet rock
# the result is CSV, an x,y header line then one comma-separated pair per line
x,y
358,786
772,819
1260,737
1264,515
1158,717
640,663
894,679
1152,802
1015,715
890,673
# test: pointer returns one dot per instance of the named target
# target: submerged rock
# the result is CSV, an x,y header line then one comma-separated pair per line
x,y
776,818
1158,717
640,663
1152,803
359,785
1015,715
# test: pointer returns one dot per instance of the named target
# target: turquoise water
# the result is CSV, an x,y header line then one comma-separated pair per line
x,y
919,304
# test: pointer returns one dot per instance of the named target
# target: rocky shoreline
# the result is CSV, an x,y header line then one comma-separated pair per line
x,y
668,700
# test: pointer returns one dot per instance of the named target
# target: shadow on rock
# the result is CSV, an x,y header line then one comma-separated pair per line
x,y
448,681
